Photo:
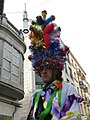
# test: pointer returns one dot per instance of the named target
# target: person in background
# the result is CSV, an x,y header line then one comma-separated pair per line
x,y
57,100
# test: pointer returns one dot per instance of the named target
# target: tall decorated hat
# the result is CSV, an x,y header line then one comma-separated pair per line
x,y
46,46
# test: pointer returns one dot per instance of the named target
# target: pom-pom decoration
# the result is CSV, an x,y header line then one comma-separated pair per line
x,y
46,45
44,13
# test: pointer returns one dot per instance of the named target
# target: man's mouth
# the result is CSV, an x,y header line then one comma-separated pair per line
x,y
44,76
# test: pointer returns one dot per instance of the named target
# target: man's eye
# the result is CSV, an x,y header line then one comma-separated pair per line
x,y
42,68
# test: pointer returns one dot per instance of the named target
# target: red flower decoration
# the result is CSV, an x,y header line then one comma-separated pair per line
x,y
58,84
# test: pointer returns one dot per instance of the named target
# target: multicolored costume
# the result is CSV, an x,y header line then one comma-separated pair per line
x,y
57,100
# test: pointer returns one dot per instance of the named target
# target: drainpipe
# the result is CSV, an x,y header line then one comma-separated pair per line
x,y
14,113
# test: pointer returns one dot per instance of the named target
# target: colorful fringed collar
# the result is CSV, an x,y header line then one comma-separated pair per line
x,y
56,83
57,87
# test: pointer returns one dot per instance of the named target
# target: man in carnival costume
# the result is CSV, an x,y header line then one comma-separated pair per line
x,y
57,100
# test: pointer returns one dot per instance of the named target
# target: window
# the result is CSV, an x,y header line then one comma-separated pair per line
x,y
75,66
67,80
72,63
81,93
81,108
7,61
15,65
75,77
78,78
11,63
66,69
85,110
78,90
68,59
70,73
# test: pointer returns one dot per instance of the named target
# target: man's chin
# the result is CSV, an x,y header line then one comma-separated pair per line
x,y
45,81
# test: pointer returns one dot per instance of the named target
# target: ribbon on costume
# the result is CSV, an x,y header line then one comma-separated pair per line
x,y
70,114
68,103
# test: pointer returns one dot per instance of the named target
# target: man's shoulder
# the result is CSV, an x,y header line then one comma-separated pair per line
x,y
68,85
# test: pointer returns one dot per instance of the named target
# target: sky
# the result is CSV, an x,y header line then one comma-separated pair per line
x,y
73,16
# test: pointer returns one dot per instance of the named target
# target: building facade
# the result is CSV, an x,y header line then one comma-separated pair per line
x,y
77,77
12,49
